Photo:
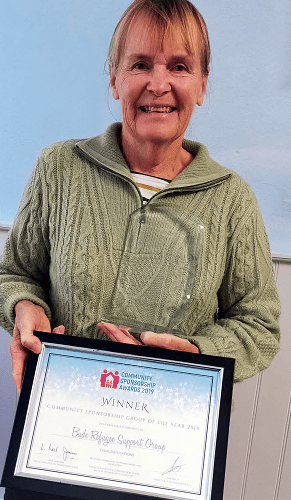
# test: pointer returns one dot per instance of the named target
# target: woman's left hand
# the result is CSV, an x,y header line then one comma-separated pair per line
x,y
118,334
160,340
168,341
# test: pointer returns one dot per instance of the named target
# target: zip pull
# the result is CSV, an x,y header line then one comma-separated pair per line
x,y
142,215
141,220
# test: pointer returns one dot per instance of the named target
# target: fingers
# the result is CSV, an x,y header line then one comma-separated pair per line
x,y
160,340
59,329
128,335
167,341
18,359
117,334
25,337
30,342
111,331
19,348
30,317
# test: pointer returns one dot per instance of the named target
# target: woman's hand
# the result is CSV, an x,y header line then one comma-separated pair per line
x,y
28,317
168,341
117,334
161,340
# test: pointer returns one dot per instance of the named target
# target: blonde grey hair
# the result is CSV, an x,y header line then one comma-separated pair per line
x,y
163,15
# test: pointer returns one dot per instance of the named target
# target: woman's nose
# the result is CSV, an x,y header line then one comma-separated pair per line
x,y
159,80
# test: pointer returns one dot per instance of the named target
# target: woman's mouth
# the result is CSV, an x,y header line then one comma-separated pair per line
x,y
157,109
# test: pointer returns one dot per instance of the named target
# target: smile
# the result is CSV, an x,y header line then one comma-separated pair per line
x,y
157,109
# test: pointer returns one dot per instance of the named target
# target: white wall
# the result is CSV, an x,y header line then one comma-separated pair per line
x,y
259,453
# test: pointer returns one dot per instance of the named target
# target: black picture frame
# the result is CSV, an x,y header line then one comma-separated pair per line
x,y
9,479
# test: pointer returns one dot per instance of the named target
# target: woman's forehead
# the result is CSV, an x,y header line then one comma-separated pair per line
x,y
145,36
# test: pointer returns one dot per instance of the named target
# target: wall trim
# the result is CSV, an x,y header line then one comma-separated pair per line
x,y
4,227
277,257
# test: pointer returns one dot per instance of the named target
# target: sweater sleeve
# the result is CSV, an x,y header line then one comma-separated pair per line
x,y
24,267
247,325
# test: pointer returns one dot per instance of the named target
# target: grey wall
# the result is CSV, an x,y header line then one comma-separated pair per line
x,y
3,235
8,397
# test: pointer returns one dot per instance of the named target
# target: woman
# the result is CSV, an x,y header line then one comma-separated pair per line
x,y
64,252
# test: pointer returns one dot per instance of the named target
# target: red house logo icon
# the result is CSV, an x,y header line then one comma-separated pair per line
x,y
109,380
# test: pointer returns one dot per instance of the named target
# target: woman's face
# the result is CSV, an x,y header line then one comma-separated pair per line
x,y
158,87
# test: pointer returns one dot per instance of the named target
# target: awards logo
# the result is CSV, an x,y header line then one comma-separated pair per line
x,y
127,381
109,380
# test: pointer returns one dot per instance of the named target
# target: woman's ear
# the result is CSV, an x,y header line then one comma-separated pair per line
x,y
202,91
113,83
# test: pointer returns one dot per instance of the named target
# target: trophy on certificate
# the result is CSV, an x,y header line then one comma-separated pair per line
x,y
157,270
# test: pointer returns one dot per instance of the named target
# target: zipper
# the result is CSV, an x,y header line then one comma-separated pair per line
x,y
142,219
193,189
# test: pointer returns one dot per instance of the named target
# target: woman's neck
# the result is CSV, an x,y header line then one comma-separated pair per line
x,y
159,160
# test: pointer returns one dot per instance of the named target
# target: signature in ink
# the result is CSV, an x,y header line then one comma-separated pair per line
x,y
52,447
66,453
175,467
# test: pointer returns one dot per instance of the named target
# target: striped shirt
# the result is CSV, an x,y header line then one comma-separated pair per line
x,y
149,185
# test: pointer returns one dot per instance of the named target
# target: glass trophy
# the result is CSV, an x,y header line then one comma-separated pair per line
x,y
157,270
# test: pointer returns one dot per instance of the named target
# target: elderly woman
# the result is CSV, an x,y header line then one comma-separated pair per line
x,y
85,203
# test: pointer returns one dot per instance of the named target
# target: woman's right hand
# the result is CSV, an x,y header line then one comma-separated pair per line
x,y
28,318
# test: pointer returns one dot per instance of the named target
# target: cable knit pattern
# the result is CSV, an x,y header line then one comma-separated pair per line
x,y
81,220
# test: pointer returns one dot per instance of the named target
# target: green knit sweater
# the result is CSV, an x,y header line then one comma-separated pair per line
x,y
197,254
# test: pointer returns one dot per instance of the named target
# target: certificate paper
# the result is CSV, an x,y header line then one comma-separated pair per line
x,y
122,422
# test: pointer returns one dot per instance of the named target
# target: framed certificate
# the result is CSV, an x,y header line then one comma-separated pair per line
x,y
105,420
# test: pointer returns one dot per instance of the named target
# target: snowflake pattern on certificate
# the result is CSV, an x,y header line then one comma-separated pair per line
x,y
170,388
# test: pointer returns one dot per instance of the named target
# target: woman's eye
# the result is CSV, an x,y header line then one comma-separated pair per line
x,y
180,67
139,65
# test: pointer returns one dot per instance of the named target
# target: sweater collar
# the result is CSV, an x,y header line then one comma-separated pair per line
x,y
104,151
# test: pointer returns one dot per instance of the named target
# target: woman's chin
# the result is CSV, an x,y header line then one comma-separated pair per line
x,y
157,132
